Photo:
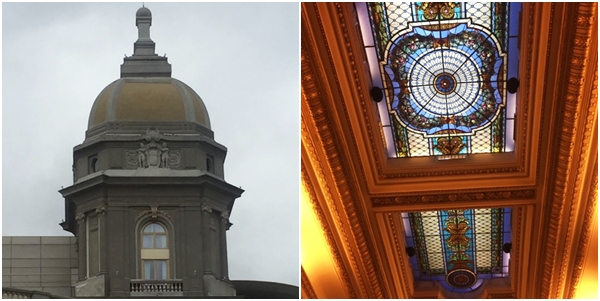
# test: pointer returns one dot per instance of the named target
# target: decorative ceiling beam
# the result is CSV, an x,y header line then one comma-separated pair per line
x,y
577,62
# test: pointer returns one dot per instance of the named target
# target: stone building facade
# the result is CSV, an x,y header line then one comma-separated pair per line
x,y
149,206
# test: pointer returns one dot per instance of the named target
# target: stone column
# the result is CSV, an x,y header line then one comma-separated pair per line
x,y
223,242
81,242
206,212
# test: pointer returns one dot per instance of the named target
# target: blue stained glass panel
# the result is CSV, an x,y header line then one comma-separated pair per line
x,y
449,240
443,68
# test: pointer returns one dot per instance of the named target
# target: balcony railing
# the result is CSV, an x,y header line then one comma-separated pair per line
x,y
15,294
18,293
166,287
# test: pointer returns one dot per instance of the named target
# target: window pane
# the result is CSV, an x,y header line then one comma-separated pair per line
x,y
161,241
161,269
147,244
148,269
154,228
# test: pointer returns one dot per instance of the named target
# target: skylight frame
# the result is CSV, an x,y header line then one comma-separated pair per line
x,y
388,123
415,231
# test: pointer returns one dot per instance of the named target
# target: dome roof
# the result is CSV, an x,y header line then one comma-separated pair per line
x,y
148,99
143,12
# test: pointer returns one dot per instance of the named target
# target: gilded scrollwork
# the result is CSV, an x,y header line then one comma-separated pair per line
x,y
568,170
307,286
523,193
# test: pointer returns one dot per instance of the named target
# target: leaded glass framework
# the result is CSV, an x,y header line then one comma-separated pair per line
x,y
444,69
458,248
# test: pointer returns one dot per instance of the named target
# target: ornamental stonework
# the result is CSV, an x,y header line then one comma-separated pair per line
x,y
153,153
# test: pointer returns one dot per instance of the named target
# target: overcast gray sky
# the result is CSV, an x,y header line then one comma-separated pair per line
x,y
242,59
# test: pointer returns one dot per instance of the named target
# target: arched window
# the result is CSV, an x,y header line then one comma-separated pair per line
x,y
93,165
155,252
209,164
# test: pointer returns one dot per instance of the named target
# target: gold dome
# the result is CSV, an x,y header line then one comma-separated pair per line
x,y
148,99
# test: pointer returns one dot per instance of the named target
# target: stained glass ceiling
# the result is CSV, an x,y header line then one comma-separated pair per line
x,y
445,75
458,248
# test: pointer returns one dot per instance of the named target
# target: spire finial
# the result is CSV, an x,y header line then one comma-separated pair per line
x,y
144,62
143,21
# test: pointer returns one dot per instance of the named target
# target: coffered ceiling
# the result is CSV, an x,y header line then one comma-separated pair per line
x,y
353,243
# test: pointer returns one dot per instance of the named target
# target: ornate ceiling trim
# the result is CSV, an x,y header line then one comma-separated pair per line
x,y
460,196
517,217
558,164
591,208
337,257
399,250
566,173
580,178
306,286
501,296
321,112
314,98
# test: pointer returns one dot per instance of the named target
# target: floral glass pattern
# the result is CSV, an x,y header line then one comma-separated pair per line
x,y
459,248
443,68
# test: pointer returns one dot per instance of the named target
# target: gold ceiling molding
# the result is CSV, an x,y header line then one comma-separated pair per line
x,y
590,209
319,109
572,96
397,236
515,275
306,286
315,99
337,110
505,194
439,173
502,296
337,258
527,83
591,203
332,208
584,160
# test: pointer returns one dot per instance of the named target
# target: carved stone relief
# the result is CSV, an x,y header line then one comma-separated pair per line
x,y
153,212
153,153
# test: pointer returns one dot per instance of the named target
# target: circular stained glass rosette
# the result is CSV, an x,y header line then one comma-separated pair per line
x,y
445,80
461,278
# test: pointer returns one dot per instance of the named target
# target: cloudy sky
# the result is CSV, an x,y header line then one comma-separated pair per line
x,y
242,59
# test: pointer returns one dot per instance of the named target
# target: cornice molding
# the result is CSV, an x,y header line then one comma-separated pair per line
x,y
313,97
330,240
514,267
580,24
501,296
580,177
460,196
306,285
397,236
591,207
320,110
